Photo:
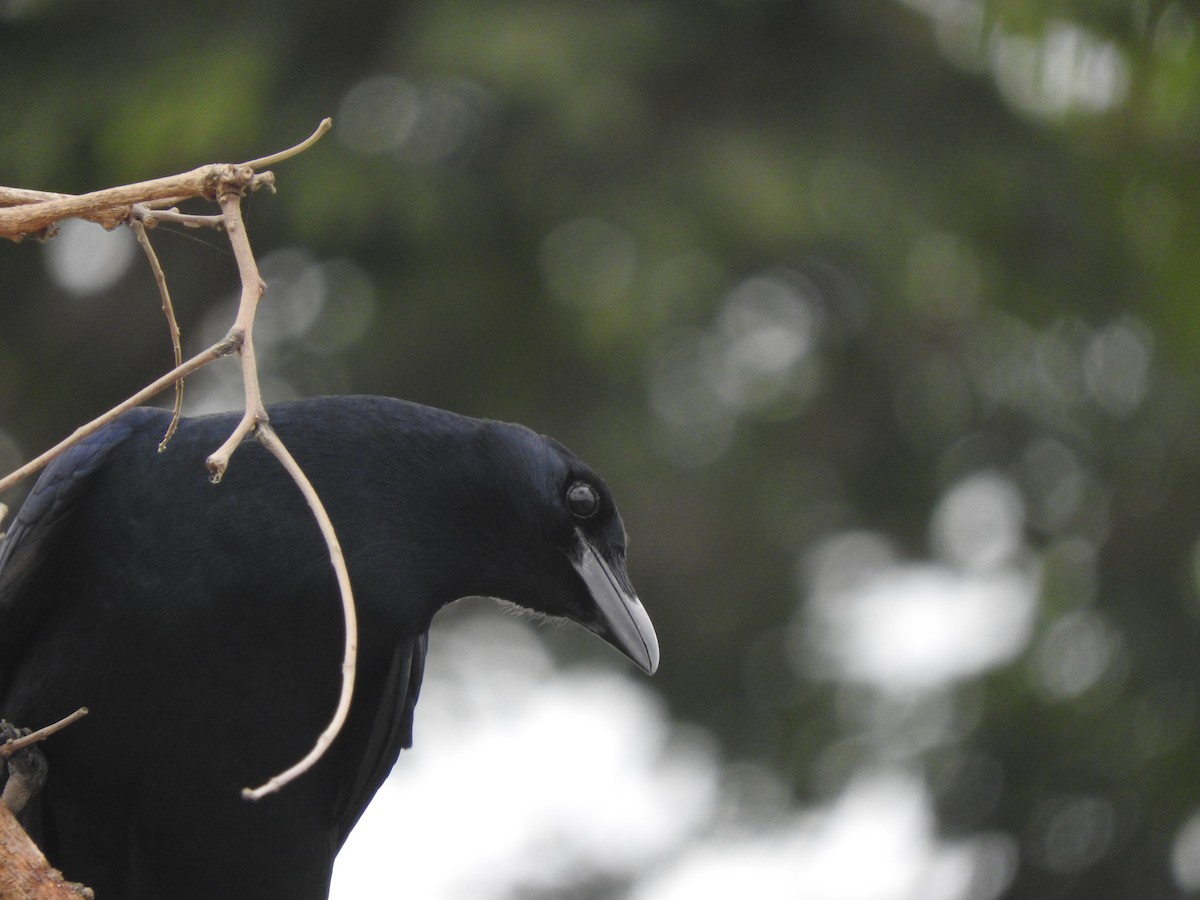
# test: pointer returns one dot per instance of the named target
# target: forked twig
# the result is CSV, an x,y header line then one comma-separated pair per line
x,y
255,421
142,205
253,288
13,745
24,212
223,347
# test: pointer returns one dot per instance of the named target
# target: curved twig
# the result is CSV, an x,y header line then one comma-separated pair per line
x,y
267,436
168,308
263,161
255,421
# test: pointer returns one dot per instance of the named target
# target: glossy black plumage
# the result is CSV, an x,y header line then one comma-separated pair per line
x,y
200,624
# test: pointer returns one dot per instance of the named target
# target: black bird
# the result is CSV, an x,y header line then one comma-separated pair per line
x,y
201,626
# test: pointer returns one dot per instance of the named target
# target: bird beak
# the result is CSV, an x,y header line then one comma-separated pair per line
x,y
623,620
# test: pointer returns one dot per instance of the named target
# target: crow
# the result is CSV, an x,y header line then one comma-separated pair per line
x,y
201,626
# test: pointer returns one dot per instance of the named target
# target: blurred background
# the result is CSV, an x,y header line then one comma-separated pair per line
x,y
880,319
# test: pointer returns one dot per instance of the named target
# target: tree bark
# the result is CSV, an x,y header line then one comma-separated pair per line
x,y
24,872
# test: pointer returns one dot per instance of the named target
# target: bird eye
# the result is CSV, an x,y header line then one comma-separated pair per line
x,y
582,500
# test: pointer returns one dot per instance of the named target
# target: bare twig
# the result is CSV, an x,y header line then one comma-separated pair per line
x,y
19,196
143,205
253,288
109,218
263,161
223,347
31,218
255,421
152,217
13,745
268,437
24,212
169,311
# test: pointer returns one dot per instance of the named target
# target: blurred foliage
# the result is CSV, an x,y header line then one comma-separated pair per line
x,y
781,270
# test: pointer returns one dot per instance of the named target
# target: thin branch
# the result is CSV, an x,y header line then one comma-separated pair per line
x,y
255,421
154,217
108,218
31,212
169,311
267,436
24,212
31,218
263,161
223,347
253,288
13,745
20,196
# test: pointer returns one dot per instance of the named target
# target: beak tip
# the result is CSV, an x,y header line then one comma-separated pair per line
x,y
650,664
622,620
642,646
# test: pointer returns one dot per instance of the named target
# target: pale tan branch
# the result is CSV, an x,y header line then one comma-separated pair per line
x,y
253,288
223,347
13,745
154,217
263,161
10,196
24,871
17,196
168,308
30,218
24,212
255,421
144,205
218,460
109,218
268,437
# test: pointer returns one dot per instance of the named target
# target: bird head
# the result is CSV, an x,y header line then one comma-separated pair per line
x,y
556,533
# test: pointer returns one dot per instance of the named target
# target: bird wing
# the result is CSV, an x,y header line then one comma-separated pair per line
x,y
40,522
391,730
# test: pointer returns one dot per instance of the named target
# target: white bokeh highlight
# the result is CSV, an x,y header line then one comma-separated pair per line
x,y
524,776
84,259
902,626
527,778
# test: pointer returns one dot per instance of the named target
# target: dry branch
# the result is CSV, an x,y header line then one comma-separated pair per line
x,y
160,278
24,213
253,288
223,347
268,437
111,204
24,872
13,745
